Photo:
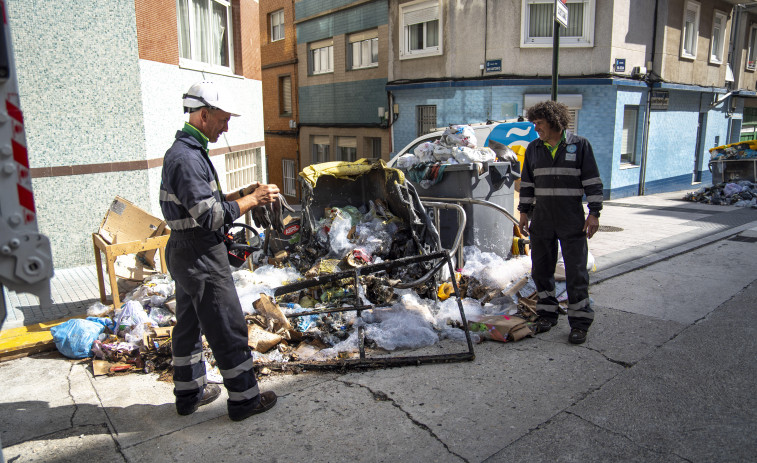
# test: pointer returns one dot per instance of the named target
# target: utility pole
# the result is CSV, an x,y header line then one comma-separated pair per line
x,y
561,18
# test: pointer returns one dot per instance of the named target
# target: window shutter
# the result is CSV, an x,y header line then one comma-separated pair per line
x,y
422,15
286,89
320,139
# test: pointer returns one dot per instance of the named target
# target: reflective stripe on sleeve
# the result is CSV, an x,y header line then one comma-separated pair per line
x,y
526,184
595,199
558,192
237,370
188,360
527,200
557,171
246,395
591,181
202,206
169,197
217,215
182,224
190,385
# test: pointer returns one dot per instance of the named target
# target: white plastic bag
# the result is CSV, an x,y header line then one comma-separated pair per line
x,y
460,135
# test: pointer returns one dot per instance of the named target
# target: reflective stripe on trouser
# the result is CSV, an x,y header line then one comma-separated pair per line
x,y
543,260
207,303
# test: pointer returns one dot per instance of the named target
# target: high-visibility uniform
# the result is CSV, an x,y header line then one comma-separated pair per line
x,y
206,300
551,192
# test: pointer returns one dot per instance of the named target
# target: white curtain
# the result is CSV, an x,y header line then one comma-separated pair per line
x,y
200,35
220,44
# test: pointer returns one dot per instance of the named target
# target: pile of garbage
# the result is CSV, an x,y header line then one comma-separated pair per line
x,y
741,194
457,145
404,321
133,337
734,151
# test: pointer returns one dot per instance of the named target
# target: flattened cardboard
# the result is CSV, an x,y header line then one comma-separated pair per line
x,y
502,328
124,221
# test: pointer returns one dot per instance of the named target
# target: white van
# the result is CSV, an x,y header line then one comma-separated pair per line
x,y
515,134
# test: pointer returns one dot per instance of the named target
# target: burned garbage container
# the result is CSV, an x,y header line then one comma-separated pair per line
x,y
485,227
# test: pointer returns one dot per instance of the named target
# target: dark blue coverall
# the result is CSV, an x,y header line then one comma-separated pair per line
x,y
206,299
551,192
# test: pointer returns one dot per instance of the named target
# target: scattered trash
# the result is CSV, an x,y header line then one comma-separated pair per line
x,y
741,194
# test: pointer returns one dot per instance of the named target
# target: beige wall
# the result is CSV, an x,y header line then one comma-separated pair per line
x,y
306,132
469,28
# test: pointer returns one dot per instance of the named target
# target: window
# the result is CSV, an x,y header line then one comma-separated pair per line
x,y
321,57
346,149
421,32
363,52
373,147
205,34
538,19
277,25
320,149
718,35
243,167
285,95
628,138
752,52
690,30
289,169
426,118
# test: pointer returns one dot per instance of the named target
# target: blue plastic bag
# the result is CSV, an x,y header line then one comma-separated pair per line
x,y
75,337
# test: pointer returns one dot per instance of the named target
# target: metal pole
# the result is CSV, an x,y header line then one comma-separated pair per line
x,y
555,57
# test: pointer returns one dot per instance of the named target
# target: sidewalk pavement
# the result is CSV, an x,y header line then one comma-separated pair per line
x,y
666,375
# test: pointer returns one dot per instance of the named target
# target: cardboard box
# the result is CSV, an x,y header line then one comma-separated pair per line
x,y
502,328
126,229
124,221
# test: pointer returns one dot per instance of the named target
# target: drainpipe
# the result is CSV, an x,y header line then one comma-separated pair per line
x,y
645,141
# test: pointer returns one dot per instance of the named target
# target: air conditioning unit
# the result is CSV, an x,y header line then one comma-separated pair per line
x,y
292,124
639,71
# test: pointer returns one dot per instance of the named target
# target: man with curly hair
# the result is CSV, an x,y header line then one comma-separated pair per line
x,y
558,169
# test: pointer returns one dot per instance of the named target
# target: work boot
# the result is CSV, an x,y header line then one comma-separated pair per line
x,y
577,336
266,402
209,394
542,325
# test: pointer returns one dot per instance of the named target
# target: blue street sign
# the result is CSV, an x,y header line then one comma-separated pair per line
x,y
493,65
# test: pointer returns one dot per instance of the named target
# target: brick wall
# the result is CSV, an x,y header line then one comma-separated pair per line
x,y
250,38
280,50
157,34
277,149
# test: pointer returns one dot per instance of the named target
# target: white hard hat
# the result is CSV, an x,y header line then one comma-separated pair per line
x,y
207,93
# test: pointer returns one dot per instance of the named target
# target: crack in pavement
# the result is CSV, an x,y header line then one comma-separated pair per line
x,y
382,397
623,436
73,401
111,427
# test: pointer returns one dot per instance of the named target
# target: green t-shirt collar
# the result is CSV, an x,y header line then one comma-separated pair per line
x,y
553,149
199,136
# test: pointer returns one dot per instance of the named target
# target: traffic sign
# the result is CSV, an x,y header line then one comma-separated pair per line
x,y
561,12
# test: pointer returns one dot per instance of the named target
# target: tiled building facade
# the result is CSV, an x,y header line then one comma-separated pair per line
x,y
100,87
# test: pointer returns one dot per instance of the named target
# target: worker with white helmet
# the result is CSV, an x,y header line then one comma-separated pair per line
x,y
206,300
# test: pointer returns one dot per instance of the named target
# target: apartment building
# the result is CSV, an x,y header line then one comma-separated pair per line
x,y
647,81
101,86
278,59
342,68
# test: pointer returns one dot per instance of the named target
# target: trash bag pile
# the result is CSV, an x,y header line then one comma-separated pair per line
x,y
741,194
133,337
457,145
